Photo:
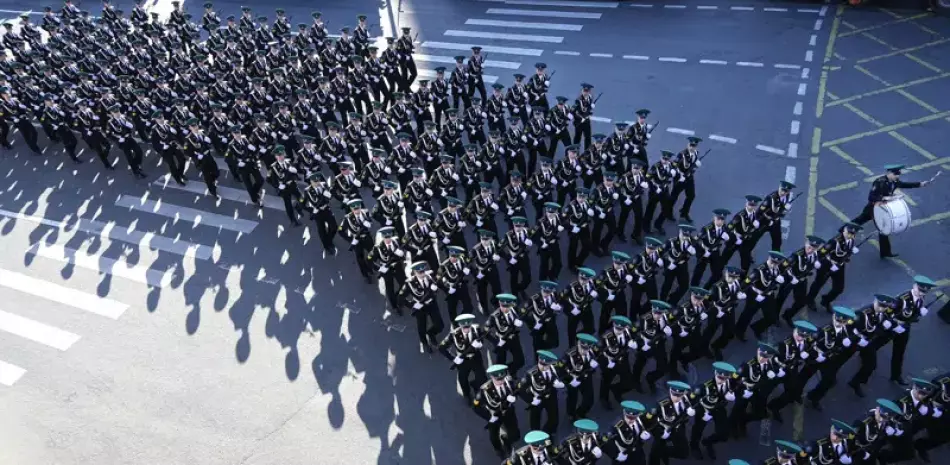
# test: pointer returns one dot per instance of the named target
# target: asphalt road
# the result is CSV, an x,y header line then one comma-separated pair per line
x,y
230,339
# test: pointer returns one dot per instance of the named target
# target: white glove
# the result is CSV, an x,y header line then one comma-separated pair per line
x,y
645,435
632,345
707,417
820,358
461,224
703,316
597,452
536,401
590,212
457,360
493,418
501,343
452,290
690,411
666,434
746,394
432,234
519,323
671,267
863,342
389,222
537,326
794,280
741,295
513,261
602,215
367,224
937,412
845,459
781,373
834,267
924,311
556,307
357,183
594,364
817,265
547,127
383,269
668,331
923,409
576,229
889,431
511,211
899,329
641,280
494,206
496,257
755,223
594,293
644,184
730,396
628,202
616,196
805,355
611,297
446,241
417,306
575,382
725,236
621,457
854,250
400,253
354,242
646,347
611,364
691,250
575,311
780,279
738,240
846,342
720,314
770,374
683,333
899,432
759,298
659,261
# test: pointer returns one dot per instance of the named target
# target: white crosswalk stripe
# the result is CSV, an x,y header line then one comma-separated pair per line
x,y
54,292
194,216
227,193
421,57
119,268
485,48
503,36
128,235
543,13
36,331
524,25
10,373
563,3
428,73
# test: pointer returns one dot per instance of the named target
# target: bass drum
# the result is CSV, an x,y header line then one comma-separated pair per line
x,y
893,217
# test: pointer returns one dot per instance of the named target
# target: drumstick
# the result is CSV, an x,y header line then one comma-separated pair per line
x,y
934,177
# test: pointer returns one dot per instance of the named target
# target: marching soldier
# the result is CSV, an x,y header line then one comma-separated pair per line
x,y
451,137
517,100
407,65
481,209
639,133
484,256
876,430
497,400
547,233
688,339
440,95
673,414
513,196
788,453
686,164
459,84
654,330
839,254
375,172
583,109
536,133
760,376
420,240
660,178
773,208
726,295
764,281
715,396
465,342
491,155
629,436
603,197
504,330
836,342
711,237
540,312
453,279
558,118
803,357
389,260
566,172
538,88
345,185
632,186
417,193
872,328
389,210
645,268
578,215
516,244
910,309
678,250
616,343
802,263
494,106
611,286
421,99
838,447
316,201
580,296
444,180
883,190
580,363
419,294
56,119
285,175
583,446
355,229
163,139
198,147
745,233
450,224
538,451
403,158
121,130
541,186
539,388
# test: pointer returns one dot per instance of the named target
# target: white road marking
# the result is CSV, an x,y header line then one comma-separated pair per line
x,y
796,127
600,119
824,10
226,193
818,23
675,7
742,8
636,57
728,140
54,292
809,55
127,234
714,62
790,174
123,269
36,331
524,25
451,60
806,10
749,64
672,59
641,5
813,40
787,66
430,73
502,36
792,150
563,3
805,73
685,132
10,374
602,55
485,48
707,7
801,88
564,52
192,215
773,150
775,9
544,14
798,109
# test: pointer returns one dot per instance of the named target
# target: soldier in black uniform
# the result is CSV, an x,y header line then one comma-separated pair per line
x,y
539,450
450,224
420,240
355,229
910,309
604,197
539,388
645,267
882,191
611,287
580,363
540,186
801,264
715,396
513,196
316,201
536,134
838,447
285,174
419,294
163,139
744,232
516,245
57,120
417,193
566,172
654,331
580,296
389,261
444,179
494,107
491,156
465,341
686,164
616,343
872,327
759,376
773,208
583,446
421,99
538,88
678,251
540,312
407,65
481,209
802,356
764,281
558,119
632,186
504,330
688,343
628,438
583,109
547,233
578,215
440,95
459,83
484,256
673,415
639,134
121,130
840,249
788,453
838,345
517,99
243,156
725,297
453,279
660,178
474,119
198,147
711,239
496,399
345,186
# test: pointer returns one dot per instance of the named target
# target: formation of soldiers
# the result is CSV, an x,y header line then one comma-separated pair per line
x,y
347,121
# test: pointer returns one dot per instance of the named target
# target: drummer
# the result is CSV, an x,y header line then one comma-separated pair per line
x,y
882,191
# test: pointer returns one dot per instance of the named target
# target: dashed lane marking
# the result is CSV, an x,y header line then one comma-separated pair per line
x,y
685,132
772,150
728,140
544,14
486,48
503,36
568,53
734,8
524,25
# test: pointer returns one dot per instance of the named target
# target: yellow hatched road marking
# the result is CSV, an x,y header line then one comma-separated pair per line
x,y
882,25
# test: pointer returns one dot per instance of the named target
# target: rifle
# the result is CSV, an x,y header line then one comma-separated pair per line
x,y
867,238
598,97
654,128
704,155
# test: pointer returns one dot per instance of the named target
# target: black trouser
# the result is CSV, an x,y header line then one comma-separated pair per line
x,y
549,406
659,354
69,141
29,134
689,187
477,137
428,313
176,165
728,325
463,95
752,307
578,247
481,288
439,109
5,133
837,285
620,373
133,154
50,131
653,201
407,68
533,154
898,348
608,308
253,181
394,84
699,425
586,392
582,128
547,337
563,136
519,275
794,386
512,347
496,122
720,429
829,375
868,357
598,238
471,366
675,447
393,280
504,432
209,173
867,214
585,319
97,143
360,250
428,254
636,207
746,250
770,313
362,103
477,82
680,274
287,195
799,298
648,288
461,296
701,263
775,234
326,227
635,455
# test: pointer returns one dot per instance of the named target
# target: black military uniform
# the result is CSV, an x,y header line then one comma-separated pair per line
x,y
517,99
838,345
483,257
840,249
654,331
495,401
419,294
481,209
745,233
285,174
355,229
883,190
503,328
604,197
872,327
547,233
417,193
538,451
316,202
639,134
725,297
764,281
688,343
612,288
558,119
678,250
163,139
686,164
583,446
453,279
420,240
711,239
388,210
459,83
516,245
389,261
773,208
538,88
580,297
541,187
802,355
759,377
673,415
645,267
444,180
660,178
578,215
121,130
494,106
198,147
540,312
632,186
626,442
910,309
616,342
465,342
800,266
539,388
583,109
474,120
450,224
715,396
513,196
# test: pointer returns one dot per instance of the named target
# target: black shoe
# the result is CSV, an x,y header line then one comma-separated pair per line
x,y
660,231
923,454
606,404
369,280
890,255
77,161
636,239
717,354
857,389
697,454
685,217
710,451
827,306
621,238
815,405
140,175
811,306
899,382
110,167
777,416
788,321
